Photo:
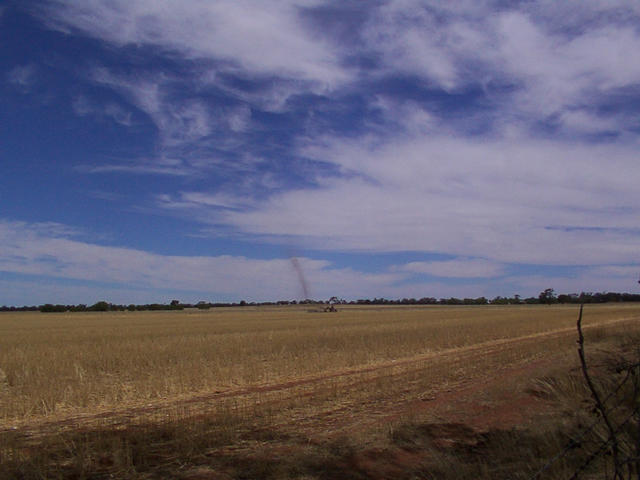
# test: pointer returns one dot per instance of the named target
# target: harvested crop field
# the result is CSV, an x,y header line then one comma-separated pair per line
x,y
207,382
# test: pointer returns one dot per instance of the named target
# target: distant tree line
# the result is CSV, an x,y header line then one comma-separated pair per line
x,y
548,296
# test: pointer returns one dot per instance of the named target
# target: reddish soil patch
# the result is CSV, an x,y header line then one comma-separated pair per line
x,y
486,404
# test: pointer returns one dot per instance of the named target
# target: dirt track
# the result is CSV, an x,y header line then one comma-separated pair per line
x,y
351,400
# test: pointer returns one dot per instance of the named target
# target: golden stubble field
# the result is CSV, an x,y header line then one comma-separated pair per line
x,y
190,394
60,364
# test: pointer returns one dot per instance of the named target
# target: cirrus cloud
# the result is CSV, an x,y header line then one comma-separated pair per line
x,y
48,250
459,268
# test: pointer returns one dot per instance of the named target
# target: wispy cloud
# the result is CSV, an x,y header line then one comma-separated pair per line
x,y
409,116
41,291
464,197
191,200
50,251
46,249
226,31
459,268
191,128
531,64
559,71
427,184
587,281
142,168
627,273
23,76
531,71
494,134
82,106
178,120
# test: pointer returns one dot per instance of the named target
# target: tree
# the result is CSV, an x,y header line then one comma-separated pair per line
x,y
99,307
548,296
175,305
49,308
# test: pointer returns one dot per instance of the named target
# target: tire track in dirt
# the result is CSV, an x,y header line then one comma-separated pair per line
x,y
361,415
463,401
309,387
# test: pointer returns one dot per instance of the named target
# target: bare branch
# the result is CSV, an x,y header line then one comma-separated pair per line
x,y
599,405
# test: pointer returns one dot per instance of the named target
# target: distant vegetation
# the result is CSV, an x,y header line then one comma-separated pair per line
x,y
548,296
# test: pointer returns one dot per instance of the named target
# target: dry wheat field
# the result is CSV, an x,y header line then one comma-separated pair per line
x,y
55,364
287,368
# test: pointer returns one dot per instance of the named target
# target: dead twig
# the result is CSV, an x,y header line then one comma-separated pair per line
x,y
615,449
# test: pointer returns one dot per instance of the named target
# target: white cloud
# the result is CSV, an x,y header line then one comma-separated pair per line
x,y
554,72
260,38
508,201
126,275
440,289
189,127
139,167
203,200
411,40
118,114
23,76
588,281
238,118
549,61
587,122
425,184
558,71
190,121
179,121
31,249
627,273
82,106
537,48
410,116
459,268
38,292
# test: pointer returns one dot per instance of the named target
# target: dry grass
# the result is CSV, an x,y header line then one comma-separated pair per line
x,y
62,363
309,392
566,438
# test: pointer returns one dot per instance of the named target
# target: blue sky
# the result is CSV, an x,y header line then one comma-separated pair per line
x,y
153,149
